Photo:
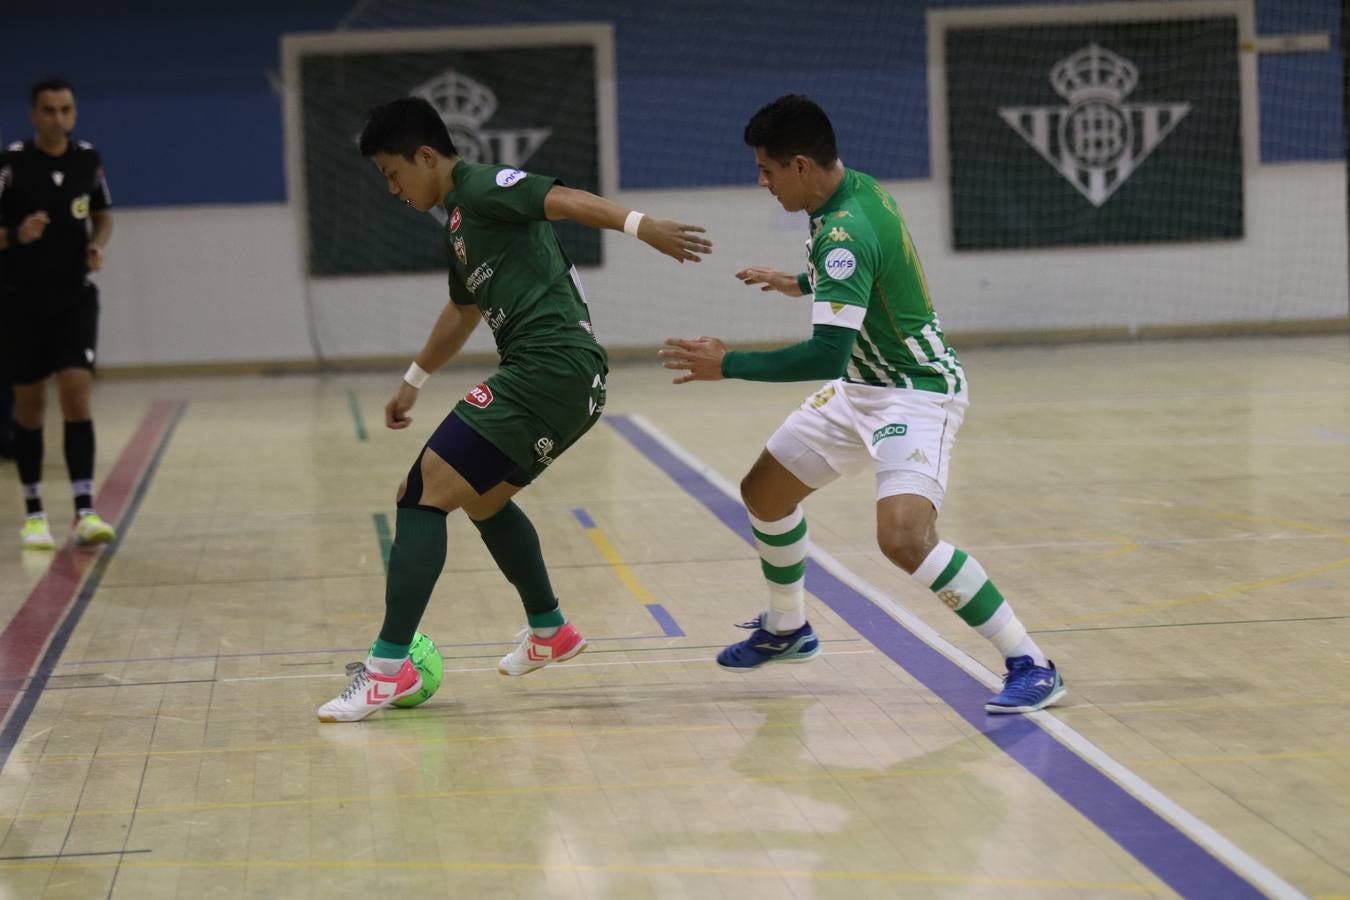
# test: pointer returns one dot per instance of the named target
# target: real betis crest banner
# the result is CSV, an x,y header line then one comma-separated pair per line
x,y
526,107
1116,132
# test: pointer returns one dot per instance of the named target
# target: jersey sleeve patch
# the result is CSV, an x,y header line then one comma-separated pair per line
x,y
507,177
839,264
844,315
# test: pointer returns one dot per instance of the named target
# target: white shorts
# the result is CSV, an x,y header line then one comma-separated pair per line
x,y
906,434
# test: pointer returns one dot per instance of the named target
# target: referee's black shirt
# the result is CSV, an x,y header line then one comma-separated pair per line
x,y
68,188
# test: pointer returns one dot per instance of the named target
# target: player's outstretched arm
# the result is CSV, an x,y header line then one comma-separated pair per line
x,y
675,239
824,356
773,280
453,327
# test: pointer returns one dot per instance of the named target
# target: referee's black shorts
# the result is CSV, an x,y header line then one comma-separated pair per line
x,y
45,330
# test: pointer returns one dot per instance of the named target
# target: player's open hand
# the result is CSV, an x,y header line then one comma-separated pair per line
x,y
699,358
32,227
771,280
675,239
396,410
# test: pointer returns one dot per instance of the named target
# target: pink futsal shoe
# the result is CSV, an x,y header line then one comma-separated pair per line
x,y
370,692
535,652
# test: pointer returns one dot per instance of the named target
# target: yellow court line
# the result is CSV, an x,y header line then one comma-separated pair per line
x,y
382,742
713,871
1207,596
1243,758
1124,709
521,791
1125,546
620,567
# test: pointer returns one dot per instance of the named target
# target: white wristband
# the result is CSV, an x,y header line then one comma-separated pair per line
x,y
416,375
630,224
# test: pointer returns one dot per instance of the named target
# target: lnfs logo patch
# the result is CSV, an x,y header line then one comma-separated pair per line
x,y
840,264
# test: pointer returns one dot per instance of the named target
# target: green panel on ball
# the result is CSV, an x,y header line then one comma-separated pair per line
x,y
427,660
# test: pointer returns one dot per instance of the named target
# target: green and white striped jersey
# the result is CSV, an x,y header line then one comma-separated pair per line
x,y
866,275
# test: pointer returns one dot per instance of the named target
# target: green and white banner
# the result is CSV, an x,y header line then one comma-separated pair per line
x,y
1094,133
527,107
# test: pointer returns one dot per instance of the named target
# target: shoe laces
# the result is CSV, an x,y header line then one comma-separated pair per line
x,y
359,678
754,624
1023,680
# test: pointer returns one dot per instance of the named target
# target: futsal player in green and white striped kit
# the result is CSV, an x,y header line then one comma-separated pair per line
x,y
894,398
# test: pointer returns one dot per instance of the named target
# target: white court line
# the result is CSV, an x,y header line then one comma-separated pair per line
x,y
1203,834
570,665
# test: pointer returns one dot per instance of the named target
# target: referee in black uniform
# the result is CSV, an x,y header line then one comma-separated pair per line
x,y
55,220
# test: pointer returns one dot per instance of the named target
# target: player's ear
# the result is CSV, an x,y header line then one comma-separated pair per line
x,y
427,156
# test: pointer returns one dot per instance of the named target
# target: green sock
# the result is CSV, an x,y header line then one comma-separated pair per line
x,y
385,650
415,562
514,544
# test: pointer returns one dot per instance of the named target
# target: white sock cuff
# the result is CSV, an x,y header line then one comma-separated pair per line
x,y
382,666
782,526
934,564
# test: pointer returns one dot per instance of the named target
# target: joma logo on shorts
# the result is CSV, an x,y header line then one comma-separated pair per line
x,y
892,430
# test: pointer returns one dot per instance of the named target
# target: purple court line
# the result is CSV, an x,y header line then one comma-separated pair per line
x,y
659,612
1165,850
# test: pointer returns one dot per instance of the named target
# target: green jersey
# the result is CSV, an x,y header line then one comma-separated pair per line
x,y
506,260
865,272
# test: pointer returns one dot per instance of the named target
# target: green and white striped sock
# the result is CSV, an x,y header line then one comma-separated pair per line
x,y
960,582
782,556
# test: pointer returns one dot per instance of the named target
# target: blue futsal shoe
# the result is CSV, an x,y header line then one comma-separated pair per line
x,y
766,647
1027,687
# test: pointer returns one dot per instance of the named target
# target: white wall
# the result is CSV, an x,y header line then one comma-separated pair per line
x,y
224,284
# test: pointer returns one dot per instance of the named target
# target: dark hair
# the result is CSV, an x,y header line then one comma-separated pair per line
x,y
48,84
790,126
401,126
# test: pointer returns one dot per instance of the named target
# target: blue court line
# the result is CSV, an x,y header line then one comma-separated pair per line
x,y
1331,434
1165,850
625,575
38,683
666,620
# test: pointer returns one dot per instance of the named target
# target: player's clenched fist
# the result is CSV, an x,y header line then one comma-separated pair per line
x,y
32,227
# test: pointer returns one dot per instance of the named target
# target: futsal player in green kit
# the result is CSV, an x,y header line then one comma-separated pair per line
x,y
894,398
507,267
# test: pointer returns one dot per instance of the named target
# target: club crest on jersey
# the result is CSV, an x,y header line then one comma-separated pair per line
x,y
79,207
480,396
840,264
455,219
461,252
508,177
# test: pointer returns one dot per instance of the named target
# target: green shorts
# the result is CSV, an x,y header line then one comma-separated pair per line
x,y
538,405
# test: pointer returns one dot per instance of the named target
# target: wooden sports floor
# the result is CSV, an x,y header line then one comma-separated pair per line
x,y
1171,519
